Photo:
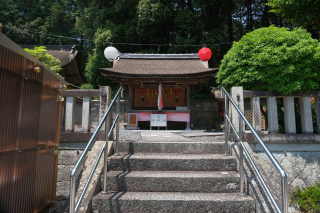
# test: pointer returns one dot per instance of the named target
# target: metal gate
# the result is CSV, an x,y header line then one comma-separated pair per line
x,y
29,131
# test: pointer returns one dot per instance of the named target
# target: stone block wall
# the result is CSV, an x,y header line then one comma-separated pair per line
x,y
66,162
301,163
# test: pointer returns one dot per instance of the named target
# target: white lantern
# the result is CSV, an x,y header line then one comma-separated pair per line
x,y
111,53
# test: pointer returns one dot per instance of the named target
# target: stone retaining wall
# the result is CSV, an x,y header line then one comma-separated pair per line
x,y
302,167
66,162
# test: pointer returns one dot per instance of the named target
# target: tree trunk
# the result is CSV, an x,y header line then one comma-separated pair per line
x,y
251,19
230,27
241,25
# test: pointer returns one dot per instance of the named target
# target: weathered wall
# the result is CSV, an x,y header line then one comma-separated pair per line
x,y
69,155
67,160
300,161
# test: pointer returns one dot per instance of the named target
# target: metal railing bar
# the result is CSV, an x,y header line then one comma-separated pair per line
x,y
260,177
232,127
113,125
94,167
84,153
225,125
254,166
269,154
273,160
94,135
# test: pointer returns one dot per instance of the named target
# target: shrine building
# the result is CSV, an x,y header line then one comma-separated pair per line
x,y
141,74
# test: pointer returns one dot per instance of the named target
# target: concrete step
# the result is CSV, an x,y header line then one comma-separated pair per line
x,y
172,202
171,162
172,147
174,181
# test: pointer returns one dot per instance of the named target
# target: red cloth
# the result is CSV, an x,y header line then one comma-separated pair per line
x,y
160,104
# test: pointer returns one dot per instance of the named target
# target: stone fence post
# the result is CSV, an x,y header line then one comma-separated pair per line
x,y
86,114
70,109
237,96
105,101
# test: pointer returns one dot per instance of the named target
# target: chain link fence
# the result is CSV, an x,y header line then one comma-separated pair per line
x,y
205,119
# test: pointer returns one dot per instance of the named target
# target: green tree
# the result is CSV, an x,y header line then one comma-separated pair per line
x,y
273,59
97,60
135,21
47,59
299,12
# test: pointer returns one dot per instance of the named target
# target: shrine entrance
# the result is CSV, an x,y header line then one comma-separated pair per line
x,y
141,74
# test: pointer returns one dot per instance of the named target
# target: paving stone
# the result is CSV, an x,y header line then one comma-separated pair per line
x,y
173,181
172,162
163,137
172,202
63,188
68,157
60,172
191,147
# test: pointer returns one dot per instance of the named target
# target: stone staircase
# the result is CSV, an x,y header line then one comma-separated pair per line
x,y
172,177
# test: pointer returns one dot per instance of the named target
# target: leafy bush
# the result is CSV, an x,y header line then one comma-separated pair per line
x,y
307,199
272,59
50,61
86,86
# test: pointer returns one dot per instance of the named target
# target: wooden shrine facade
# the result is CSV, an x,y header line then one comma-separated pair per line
x,y
179,75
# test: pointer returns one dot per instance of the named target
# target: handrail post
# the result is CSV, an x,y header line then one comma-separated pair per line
x,y
226,135
117,130
241,156
72,192
105,167
284,182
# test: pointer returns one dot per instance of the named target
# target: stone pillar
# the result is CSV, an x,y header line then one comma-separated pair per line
x,y
255,113
105,101
306,115
272,111
289,115
130,98
317,101
70,109
188,105
86,114
237,96
188,96
188,126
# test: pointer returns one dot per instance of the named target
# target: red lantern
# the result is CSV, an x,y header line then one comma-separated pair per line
x,y
204,54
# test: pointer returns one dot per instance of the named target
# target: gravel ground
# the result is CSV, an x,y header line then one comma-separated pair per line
x,y
177,136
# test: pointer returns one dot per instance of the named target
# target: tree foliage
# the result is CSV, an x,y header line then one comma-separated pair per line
x,y
135,21
298,12
273,59
97,60
51,62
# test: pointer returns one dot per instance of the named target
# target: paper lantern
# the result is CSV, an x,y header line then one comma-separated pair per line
x,y
204,54
111,53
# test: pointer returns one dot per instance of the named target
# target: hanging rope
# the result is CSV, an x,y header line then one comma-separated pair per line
x,y
111,43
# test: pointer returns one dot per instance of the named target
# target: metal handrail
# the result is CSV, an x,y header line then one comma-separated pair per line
x,y
242,147
72,208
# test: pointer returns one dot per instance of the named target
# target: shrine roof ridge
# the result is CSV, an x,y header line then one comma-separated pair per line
x,y
159,56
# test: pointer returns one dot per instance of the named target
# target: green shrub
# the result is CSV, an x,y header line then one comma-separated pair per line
x,y
307,199
50,61
86,86
272,59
